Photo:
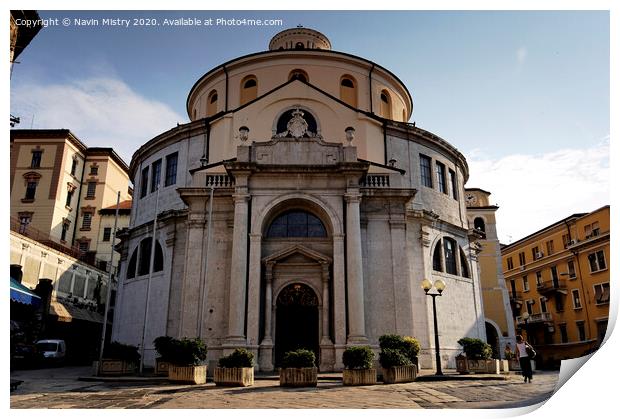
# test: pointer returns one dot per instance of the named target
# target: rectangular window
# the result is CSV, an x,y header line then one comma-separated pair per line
x,y
543,305
455,194
92,187
539,279
87,218
597,261
31,190
559,302
581,330
596,230
69,198
536,253
440,169
94,170
563,333
107,232
601,293
526,285
171,169
588,230
521,258
576,299
549,245
509,263
529,305
565,240
24,220
63,233
144,182
36,159
73,167
571,269
155,175
425,171
554,275
83,246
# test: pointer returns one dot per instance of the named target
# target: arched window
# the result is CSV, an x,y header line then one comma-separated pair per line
x,y
348,91
284,119
299,45
298,74
141,259
479,224
386,105
450,249
212,103
464,265
296,223
437,257
249,89
131,268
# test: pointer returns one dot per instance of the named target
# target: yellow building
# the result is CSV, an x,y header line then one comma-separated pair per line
x,y
500,330
559,276
58,185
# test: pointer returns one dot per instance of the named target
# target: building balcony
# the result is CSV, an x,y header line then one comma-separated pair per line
x,y
219,180
516,300
555,285
375,181
535,318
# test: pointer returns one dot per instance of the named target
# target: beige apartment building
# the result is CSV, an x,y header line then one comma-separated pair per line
x,y
559,284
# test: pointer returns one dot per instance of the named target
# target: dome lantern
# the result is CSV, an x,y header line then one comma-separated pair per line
x,y
299,38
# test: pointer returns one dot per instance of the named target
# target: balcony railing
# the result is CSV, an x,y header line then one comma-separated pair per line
x,y
219,181
551,286
535,318
375,181
516,296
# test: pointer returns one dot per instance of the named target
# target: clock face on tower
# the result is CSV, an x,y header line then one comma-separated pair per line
x,y
470,199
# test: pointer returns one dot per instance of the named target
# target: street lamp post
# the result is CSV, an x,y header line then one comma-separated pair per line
x,y
439,286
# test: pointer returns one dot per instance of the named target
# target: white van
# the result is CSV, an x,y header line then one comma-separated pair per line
x,y
51,350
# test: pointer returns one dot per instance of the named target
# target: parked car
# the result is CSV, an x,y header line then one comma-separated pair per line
x,y
23,356
51,351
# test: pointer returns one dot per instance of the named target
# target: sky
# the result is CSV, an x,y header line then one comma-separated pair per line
x,y
524,95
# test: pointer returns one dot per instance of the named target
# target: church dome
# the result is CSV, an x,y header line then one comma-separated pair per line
x,y
299,38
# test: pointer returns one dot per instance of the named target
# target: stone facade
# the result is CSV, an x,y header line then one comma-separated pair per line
x,y
285,228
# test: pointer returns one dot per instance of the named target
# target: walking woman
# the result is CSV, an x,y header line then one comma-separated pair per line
x,y
524,358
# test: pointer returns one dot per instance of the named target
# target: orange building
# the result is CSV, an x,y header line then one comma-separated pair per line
x,y
558,280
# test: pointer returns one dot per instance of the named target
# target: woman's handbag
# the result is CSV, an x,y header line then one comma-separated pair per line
x,y
530,351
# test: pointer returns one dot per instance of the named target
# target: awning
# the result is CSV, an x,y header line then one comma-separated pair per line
x,y
68,313
23,294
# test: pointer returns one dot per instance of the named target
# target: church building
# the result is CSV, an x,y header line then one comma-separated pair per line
x,y
298,208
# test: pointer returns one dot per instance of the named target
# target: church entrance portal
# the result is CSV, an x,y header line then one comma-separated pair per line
x,y
297,321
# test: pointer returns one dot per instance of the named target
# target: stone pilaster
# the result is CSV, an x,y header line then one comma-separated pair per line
x,y
355,273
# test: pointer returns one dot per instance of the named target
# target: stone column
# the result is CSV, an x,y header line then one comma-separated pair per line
x,y
237,289
254,296
355,274
266,346
340,322
327,347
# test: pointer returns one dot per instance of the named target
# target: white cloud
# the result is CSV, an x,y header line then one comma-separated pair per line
x,y
534,191
521,55
100,111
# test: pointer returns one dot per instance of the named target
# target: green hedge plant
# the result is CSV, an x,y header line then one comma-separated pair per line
x,y
240,358
301,358
407,346
476,348
187,352
164,347
358,358
389,358
121,351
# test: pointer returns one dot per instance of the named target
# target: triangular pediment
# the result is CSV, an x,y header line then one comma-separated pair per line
x,y
297,252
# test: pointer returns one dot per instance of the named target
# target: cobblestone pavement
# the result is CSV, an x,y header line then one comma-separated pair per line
x,y
59,388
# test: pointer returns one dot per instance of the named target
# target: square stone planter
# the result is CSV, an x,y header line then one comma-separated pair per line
x,y
359,377
161,367
194,374
111,367
234,377
477,366
298,377
404,374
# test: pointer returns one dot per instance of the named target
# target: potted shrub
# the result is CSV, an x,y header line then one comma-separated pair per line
x,y
236,369
163,346
119,359
298,369
187,358
358,363
398,358
477,357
